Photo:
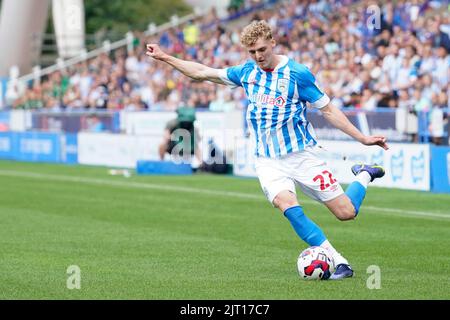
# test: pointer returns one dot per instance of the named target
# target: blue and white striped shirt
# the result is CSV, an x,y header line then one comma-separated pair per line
x,y
276,113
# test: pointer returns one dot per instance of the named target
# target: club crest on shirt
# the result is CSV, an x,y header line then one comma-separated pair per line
x,y
282,85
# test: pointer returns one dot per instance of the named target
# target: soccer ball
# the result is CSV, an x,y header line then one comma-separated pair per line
x,y
315,263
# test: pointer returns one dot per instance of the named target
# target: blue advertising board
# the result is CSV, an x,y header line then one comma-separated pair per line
x,y
38,147
8,143
440,169
69,148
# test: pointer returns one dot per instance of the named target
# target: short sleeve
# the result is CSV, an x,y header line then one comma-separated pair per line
x,y
232,75
309,90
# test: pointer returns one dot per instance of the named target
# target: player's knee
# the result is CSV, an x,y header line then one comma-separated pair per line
x,y
284,201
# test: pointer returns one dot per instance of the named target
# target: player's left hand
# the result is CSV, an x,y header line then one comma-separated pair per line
x,y
375,140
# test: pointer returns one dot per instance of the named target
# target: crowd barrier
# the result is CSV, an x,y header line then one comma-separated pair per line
x,y
5,119
116,150
3,85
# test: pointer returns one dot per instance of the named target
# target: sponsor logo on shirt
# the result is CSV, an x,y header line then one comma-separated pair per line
x,y
260,98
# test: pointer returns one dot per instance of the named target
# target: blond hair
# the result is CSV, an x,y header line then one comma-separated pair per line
x,y
254,31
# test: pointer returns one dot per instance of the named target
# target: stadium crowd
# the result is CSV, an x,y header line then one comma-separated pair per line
x,y
399,61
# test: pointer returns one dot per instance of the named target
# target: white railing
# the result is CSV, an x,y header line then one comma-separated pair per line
x,y
60,64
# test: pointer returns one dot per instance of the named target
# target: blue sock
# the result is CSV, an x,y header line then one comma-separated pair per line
x,y
356,192
305,228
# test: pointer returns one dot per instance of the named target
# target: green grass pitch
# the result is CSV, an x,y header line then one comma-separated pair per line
x,y
203,237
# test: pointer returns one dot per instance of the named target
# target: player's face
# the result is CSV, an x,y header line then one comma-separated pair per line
x,y
262,53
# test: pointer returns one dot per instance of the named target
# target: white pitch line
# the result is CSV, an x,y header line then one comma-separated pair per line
x,y
142,185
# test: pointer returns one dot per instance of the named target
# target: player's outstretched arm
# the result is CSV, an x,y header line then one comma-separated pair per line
x,y
194,70
338,119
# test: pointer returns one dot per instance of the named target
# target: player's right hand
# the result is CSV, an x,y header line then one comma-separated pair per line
x,y
154,51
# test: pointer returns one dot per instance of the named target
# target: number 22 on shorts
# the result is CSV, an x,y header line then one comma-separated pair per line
x,y
326,175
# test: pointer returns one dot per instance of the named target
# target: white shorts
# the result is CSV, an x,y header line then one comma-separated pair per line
x,y
303,168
